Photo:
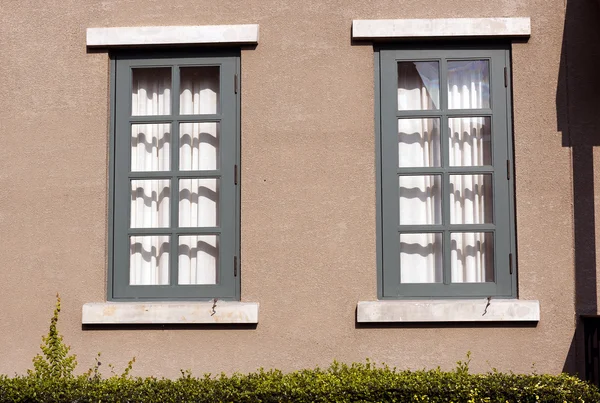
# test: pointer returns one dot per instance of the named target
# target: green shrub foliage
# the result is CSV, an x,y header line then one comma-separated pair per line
x,y
55,361
52,380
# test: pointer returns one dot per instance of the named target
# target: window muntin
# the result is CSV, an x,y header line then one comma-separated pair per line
x,y
175,215
445,194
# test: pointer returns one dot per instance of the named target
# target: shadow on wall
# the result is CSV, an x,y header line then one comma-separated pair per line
x,y
578,118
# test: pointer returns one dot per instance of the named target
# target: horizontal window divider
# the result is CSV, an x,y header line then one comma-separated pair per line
x,y
212,174
474,170
175,231
421,171
151,175
198,231
199,118
151,119
442,286
449,113
205,118
167,286
400,59
427,114
468,113
471,227
440,171
149,231
424,228
198,174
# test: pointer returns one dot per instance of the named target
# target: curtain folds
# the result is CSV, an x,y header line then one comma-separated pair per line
x,y
198,199
470,195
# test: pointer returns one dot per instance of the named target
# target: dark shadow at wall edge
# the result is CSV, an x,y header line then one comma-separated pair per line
x,y
578,118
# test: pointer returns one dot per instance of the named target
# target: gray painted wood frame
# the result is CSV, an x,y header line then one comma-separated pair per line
x,y
228,285
501,171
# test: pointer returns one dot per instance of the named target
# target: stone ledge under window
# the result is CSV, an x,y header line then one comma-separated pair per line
x,y
209,312
458,310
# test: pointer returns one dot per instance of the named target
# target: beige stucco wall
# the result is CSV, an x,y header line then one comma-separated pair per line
x,y
308,189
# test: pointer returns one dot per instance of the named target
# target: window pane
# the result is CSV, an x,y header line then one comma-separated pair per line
x,y
199,90
471,199
418,85
420,199
472,257
421,258
470,141
198,259
150,147
198,146
418,143
198,202
468,84
151,92
150,203
149,260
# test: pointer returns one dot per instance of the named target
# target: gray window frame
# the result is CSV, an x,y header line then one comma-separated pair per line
x,y
387,171
121,63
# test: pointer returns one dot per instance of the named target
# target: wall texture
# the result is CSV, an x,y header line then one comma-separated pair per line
x,y
308,189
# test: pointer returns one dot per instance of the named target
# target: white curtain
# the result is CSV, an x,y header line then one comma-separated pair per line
x,y
151,92
149,260
420,195
470,195
151,147
198,259
198,199
199,90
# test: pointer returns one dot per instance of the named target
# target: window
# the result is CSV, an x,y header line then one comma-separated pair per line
x,y
446,192
174,160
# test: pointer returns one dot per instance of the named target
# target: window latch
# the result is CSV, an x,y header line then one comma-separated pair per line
x,y
510,263
235,268
235,84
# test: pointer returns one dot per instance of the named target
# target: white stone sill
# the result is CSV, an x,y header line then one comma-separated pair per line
x,y
442,28
458,310
173,35
209,312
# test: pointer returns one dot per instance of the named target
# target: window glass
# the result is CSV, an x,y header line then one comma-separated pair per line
x,y
446,211
151,91
468,84
175,210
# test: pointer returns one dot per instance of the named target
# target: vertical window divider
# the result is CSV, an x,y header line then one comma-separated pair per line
x,y
445,158
125,269
176,88
174,261
174,270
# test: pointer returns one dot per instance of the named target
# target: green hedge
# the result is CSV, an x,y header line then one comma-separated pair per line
x,y
52,380
338,383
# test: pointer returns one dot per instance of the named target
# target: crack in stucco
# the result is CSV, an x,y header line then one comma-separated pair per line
x,y
489,299
213,310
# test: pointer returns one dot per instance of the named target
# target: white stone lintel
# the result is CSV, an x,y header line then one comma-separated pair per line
x,y
209,312
457,310
442,27
173,35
